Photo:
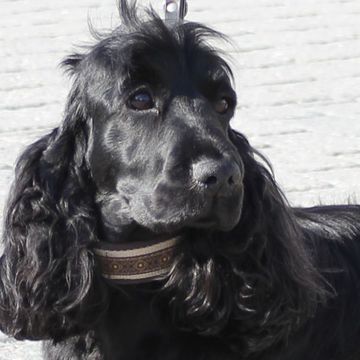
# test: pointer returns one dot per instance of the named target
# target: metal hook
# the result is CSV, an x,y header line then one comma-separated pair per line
x,y
175,11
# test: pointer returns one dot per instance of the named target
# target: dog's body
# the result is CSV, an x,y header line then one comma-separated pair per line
x,y
136,328
146,152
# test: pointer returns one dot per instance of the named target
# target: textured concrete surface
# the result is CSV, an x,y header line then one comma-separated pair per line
x,y
297,67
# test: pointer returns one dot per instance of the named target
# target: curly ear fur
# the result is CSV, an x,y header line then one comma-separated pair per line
x,y
48,284
258,282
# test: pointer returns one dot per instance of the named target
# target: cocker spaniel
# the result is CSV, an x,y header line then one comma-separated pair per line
x,y
144,227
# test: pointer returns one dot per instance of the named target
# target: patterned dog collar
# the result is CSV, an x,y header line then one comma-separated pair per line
x,y
137,262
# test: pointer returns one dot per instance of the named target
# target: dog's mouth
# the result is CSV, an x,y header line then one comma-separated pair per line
x,y
220,215
204,223
223,215
212,223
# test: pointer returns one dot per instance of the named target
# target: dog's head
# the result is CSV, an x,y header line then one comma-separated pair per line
x,y
146,144
160,101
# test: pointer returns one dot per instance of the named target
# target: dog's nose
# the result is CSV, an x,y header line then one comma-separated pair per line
x,y
217,175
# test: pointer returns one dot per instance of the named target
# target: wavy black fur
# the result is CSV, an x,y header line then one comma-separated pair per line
x,y
280,283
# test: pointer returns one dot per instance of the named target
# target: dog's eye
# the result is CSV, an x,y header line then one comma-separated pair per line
x,y
141,100
222,105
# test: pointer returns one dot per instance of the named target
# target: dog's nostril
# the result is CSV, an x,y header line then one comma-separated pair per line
x,y
214,175
211,180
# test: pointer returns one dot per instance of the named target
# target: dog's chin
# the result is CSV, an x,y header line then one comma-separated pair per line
x,y
216,224
222,215
138,230
158,232
224,222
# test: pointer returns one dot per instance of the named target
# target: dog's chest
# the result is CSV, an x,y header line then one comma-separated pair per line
x,y
139,328
133,328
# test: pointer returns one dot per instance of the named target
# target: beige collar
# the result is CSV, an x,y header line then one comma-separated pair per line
x,y
136,262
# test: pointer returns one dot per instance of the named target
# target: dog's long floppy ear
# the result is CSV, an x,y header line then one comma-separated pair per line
x,y
48,286
261,273
269,221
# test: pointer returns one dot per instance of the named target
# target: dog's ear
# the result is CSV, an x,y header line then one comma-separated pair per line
x,y
269,221
262,274
48,285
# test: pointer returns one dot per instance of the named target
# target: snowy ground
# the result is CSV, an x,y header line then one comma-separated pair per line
x,y
297,66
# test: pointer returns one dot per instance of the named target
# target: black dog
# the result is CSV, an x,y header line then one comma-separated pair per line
x,y
145,155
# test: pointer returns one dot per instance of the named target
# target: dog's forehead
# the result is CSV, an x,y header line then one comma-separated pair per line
x,y
161,54
167,65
